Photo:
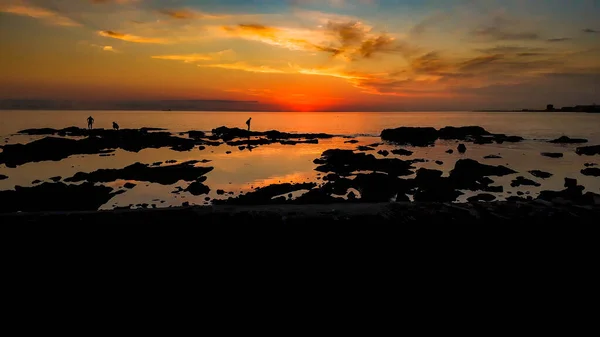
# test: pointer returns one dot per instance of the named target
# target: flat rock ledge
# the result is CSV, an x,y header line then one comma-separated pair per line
x,y
497,213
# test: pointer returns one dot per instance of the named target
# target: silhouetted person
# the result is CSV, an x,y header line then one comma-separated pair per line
x,y
90,122
248,123
115,126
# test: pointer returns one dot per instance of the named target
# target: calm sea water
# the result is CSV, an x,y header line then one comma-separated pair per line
x,y
242,171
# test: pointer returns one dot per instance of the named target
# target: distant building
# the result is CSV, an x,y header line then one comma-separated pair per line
x,y
550,107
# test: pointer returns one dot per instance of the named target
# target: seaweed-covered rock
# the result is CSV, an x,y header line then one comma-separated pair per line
x,y
567,140
55,197
552,154
411,135
540,174
344,162
467,172
384,153
402,152
265,195
591,171
165,175
197,188
588,150
522,181
462,148
482,197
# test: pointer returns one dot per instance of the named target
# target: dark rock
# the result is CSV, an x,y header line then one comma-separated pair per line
x,y
220,192
158,163
570,182
378,187
3,177
228,152
552,154
462,148
450,151
374,144
228,134
426,175
186,204
201,147
206,198
591,171
482,197
56,179
165,175
265,195
196,134
384,153
241,148
171,161
344,162
364,148
540,174
290,195
353,141
567,140
331,177
588,150
520,193
590,164
492,156
462,133
129,185
501,138
439,162
55,197
468,172
402,152
411,135
97,141
351,196
36,181
522,181
197,188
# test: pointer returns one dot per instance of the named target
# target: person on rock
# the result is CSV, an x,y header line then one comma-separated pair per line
x,y
115,126
90,121
248,123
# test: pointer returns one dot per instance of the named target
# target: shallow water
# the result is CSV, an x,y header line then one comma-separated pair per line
x,y
243,171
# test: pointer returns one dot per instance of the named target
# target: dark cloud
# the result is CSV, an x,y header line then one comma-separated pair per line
x,y
499,34
509,50
380,44
592,31
181,14
559,39
479,62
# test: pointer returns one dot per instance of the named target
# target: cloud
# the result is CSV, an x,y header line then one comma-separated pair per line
x,y
130,38
245,67
559,39
499,34
350,40
47,15
110,49
193,58
592,31
509,50
114,1
187,14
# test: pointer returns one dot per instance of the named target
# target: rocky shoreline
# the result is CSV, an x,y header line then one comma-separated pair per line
x,y
496,213
345,176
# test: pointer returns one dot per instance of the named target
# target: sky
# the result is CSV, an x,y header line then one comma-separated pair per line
x,y
305,55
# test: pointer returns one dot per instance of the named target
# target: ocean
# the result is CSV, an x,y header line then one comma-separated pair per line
x,y
244,171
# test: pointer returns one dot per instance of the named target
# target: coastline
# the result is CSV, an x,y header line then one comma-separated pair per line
x,y
402,213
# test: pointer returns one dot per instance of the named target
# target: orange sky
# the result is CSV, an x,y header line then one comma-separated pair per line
x,y
302,55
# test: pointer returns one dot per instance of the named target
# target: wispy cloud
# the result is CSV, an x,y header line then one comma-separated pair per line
x,y
245,67
591,31
351,40
114,1
47,15
130,38
187,14
193,58
559,39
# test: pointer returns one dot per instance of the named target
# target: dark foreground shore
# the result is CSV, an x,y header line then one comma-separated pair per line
x,y
498,213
